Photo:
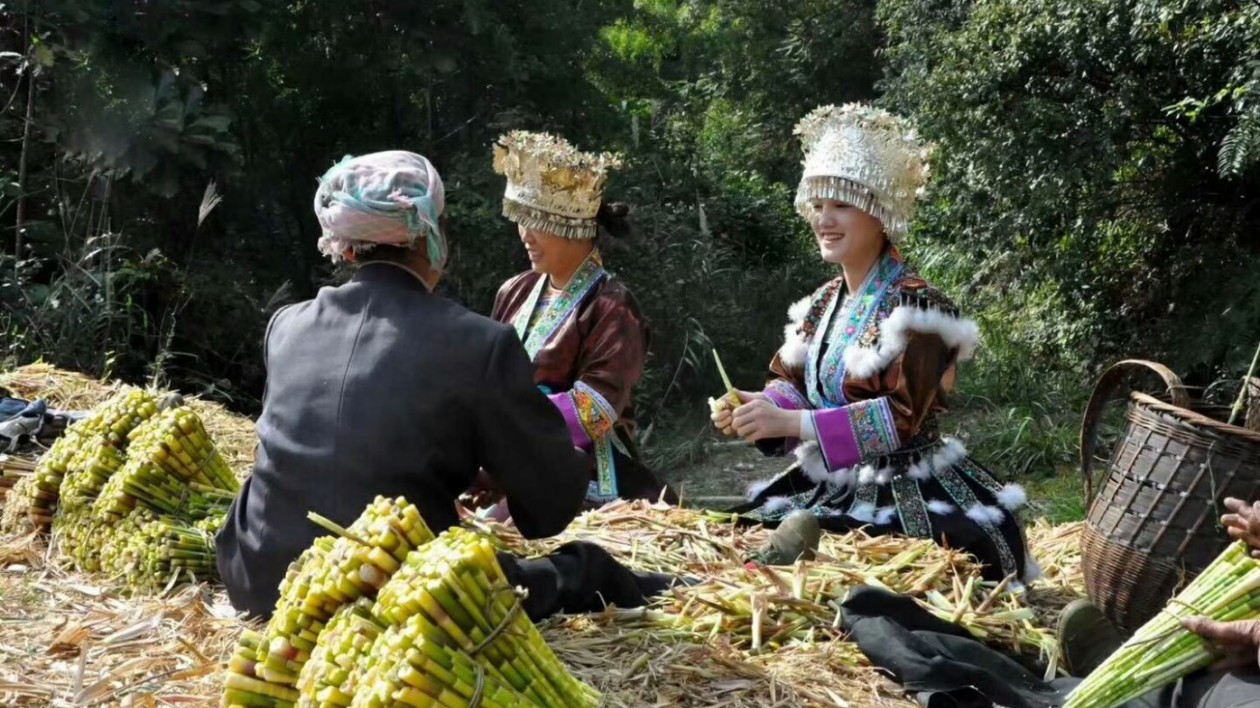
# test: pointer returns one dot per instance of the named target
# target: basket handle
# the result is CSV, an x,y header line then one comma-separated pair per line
x,y
1098,401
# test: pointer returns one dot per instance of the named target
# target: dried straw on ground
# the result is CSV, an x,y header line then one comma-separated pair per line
x,y
66,639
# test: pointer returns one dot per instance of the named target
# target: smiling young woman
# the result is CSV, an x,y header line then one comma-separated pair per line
x,y
858,384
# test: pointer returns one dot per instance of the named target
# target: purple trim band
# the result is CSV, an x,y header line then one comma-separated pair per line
x,y
565,403
835,437
786,396
859,432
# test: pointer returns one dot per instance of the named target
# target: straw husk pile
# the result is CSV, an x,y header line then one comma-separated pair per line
x,y
742,638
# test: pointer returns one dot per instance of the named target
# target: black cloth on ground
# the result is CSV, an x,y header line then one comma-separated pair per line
x,y
939,662
580,577
943,666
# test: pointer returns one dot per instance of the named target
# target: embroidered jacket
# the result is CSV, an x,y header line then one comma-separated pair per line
x,y
588,346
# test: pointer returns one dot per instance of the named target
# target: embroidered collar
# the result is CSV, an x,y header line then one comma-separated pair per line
x,y
824,375
588,275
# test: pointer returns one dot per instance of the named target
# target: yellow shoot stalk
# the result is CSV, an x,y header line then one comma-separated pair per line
x,y
726,380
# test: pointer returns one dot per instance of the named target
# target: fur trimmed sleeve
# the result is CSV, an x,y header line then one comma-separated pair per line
x,y
921,311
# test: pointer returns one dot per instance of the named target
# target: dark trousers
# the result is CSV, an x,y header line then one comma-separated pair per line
x,y
1231,689
580,577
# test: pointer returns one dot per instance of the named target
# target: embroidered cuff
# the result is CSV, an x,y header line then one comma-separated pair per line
x,y
786,396
589,415
858,432
564,402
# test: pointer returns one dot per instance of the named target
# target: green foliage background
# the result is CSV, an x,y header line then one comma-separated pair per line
x,y
1095,186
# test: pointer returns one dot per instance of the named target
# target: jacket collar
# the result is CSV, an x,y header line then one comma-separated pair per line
x,y
389,272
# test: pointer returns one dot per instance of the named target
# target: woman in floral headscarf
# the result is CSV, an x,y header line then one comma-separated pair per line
x,y
860,380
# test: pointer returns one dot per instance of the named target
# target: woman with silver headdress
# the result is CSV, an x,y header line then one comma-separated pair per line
x,y
580,324
859,382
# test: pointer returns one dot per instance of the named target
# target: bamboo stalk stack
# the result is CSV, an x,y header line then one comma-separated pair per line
x,y
13,469
385,615
336,572
129,491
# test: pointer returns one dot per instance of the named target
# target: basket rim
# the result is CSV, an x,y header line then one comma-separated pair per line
x,y
1194,418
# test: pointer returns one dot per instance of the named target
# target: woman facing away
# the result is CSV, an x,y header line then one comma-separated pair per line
x,y
579,323
859,382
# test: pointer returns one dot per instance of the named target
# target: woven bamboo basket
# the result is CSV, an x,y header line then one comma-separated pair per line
x,y
1153,521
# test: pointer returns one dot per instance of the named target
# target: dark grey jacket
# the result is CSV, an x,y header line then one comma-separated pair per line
x,y
379,387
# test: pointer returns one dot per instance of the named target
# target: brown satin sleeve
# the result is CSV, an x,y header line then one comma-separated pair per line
x,y
914,383
613,349
512,296
792,374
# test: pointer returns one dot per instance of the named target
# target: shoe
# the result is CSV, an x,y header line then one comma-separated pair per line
x,y
796,538
1086,637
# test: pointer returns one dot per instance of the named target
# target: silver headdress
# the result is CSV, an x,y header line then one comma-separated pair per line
x,y
864,156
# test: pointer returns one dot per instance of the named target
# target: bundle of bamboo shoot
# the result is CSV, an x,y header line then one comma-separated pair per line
x,y
147,552
334,572
169,459
242,687
451,611
11,470
333,675
1162,651
86,455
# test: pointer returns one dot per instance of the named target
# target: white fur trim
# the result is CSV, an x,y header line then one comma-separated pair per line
x,y
795,348
842,477
799,310
985,515
883,476
863,362
756,488
1012,497
774,505
885,516
960,332
863,511
947,455
950,453
866,475
1032,569
812,463
944,508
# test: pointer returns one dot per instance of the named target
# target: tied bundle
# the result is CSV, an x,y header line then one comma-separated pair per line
x,y
383,615
457,635
71,473
336,572
12,469
336,667
1162,651
169,457
148,551
132,492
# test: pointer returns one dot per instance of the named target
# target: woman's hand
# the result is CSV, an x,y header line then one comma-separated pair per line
x,y
760,419
483,492
721,410
1240,640
1243,523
